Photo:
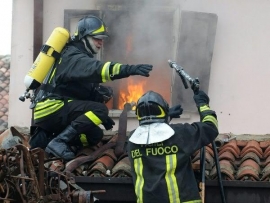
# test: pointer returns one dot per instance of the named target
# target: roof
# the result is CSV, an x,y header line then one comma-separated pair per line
x,y
239,160
243,160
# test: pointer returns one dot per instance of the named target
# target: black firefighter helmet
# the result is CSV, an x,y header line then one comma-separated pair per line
x,y
152,108
92,26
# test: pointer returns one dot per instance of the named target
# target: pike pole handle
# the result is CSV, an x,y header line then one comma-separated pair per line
x,y
194,83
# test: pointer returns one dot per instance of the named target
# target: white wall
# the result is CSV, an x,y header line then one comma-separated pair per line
x,y
239,81
21,61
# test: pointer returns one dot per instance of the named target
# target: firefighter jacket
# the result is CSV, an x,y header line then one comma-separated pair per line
x,y
162,172
76,76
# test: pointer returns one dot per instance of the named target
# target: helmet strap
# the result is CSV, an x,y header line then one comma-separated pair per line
x,y
89,46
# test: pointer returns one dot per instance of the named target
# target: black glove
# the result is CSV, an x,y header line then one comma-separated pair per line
x,y
141,69
103,94
201,98
108,124
175,111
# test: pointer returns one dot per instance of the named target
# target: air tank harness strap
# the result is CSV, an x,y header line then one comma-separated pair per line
x,y
45,49
46,87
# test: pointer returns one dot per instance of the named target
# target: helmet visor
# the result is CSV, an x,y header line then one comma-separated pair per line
x,y
100,36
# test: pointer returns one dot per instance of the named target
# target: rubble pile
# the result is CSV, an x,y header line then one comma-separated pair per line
x,y
4,89
25,178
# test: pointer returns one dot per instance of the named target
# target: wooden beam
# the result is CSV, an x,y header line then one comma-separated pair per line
x,y
37,41
38,27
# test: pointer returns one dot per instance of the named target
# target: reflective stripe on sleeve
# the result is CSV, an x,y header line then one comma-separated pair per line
x,y
105,73
138,167
171,163
116,69
204,108
208,118
211,119
93,117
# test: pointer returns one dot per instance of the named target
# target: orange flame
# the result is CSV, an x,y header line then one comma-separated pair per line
x,y
132,93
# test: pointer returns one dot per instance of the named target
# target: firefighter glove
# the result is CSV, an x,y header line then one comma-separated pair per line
x,y
201,98
175,111
128,70
141,69
108,125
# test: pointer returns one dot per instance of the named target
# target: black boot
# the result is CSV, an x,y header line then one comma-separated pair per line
x,y
59,147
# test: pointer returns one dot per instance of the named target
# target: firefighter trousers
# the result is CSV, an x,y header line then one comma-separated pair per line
x,y
83,116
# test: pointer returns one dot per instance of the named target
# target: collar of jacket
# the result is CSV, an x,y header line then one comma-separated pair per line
x,y
80,46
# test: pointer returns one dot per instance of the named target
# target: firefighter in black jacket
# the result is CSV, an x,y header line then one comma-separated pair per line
x,y
73,107
160,152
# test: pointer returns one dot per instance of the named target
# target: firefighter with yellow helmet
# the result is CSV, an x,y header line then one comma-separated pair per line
x,y
160,152
72,104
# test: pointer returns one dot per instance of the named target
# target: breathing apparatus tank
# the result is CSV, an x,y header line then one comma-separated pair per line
x,y
49,52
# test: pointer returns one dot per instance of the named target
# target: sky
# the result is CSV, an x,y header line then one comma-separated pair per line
x,y
5,25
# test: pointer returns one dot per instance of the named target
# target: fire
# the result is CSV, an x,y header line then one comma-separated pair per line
x,y
132,93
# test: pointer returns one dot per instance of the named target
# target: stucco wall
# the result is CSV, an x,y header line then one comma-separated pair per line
x,y
21,61
239,80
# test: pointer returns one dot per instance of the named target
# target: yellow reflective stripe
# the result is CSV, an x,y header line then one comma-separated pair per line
x,y
170,178
138,167
211,119
83,140
47,107
193,201
116,69
47,103
93,117
105,72
162,114
204,108
101,29
47,111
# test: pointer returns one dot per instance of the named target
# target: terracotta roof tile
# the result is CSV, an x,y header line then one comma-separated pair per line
x,y
103,165
267,152
227,169
4,89
248,170
251,155
266,173
227,155
122,168
266,162
98,170
209,160
232,147
106,160
252,146
264,144
241,143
